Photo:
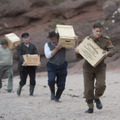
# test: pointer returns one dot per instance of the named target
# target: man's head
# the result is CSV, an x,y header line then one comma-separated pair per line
x,y
4,43
25,37
97,30
53,37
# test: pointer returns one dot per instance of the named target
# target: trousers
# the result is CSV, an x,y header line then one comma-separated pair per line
x,y
9,71
29,70
94,83
57,75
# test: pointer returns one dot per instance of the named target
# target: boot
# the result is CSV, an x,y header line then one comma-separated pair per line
x,y
52,89
9,91
0,83
31,90
19,90
58,95
89,110
98,103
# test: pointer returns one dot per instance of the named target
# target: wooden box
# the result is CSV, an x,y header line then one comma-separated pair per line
x,y
31,60
66,35
12,39
91,51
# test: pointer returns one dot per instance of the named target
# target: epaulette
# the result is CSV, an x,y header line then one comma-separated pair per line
x,y
106,37
88,37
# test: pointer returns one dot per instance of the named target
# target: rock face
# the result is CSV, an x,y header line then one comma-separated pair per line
x,y
38,17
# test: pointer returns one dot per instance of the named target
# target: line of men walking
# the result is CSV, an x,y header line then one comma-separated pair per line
x,y
57,66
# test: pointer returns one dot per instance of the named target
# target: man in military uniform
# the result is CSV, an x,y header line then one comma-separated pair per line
x,y
91,73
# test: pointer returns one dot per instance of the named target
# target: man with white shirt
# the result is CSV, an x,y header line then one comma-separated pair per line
x,y
56,65
23,48
6,61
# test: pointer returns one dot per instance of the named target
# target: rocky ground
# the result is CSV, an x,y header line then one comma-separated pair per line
x,y
38,17
72,104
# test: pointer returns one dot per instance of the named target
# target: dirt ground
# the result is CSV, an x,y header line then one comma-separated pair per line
x,y
72,105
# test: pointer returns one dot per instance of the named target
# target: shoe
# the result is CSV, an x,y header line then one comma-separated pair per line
x,y
89,111
52,89
57,100
58,94
98,103
52,96
31,90
19,90
9,91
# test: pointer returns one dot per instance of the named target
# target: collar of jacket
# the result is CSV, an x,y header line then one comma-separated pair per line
x,y
93,38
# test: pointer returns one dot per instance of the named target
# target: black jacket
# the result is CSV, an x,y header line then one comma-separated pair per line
x,y
22,50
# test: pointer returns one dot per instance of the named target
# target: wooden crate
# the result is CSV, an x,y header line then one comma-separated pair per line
x,y
91,51
67,34
31,60
12,39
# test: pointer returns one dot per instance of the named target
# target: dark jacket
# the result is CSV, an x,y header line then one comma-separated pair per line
x,y
22,50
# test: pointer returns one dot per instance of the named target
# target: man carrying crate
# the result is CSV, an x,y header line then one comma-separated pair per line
x,y
6,61
26,47
91,73
56,65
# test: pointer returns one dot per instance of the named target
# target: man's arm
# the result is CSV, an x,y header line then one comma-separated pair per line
x,y
78,56
110,49
58,47
36,52
19,53
49,53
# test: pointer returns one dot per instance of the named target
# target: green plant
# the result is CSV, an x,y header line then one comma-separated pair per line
x,y
52,26
46,29
59,22
118,3
57,1
4,1
105,23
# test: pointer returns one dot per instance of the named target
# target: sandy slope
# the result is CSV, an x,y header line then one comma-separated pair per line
x,y
72,104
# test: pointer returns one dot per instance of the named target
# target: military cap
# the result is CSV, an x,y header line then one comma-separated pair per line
x,y
25,35
3,42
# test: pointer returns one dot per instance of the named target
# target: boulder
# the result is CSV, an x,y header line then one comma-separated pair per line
x,y
109,8
38,17
14,7
10,22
